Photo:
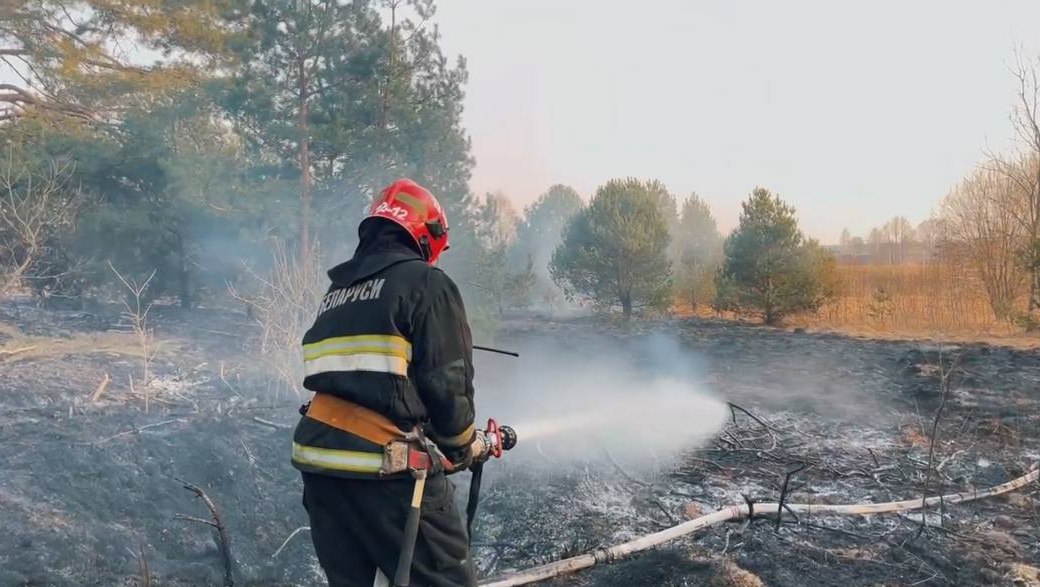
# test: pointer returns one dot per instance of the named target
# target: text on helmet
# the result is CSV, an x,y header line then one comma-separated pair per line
x,y
395,211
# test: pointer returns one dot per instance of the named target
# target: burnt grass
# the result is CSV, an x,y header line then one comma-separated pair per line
x,y
89,491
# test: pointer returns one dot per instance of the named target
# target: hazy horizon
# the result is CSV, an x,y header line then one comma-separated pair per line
x,y
853,113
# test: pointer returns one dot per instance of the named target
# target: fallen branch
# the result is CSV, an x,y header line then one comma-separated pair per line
x,y
142,564
194,519
943,462
223,377
726,546
664,510
739,512
100,388
10,353
136,430
291,536
783,495
874,456
225,545
274,425
733,414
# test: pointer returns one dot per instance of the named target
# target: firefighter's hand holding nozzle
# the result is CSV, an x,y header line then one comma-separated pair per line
x,y
492,441
487,443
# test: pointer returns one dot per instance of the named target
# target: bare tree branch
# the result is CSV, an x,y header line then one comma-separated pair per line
x,y
218,524
945,375
35,205
137,315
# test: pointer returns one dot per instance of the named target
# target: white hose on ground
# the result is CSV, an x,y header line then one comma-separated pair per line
x,y
739,512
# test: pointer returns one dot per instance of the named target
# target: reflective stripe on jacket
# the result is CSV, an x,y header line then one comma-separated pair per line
x,y
364,352
342,437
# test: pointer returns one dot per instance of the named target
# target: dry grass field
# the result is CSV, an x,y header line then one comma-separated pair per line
x,y
940,302
937,301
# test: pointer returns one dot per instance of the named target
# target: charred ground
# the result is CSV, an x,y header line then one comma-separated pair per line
x,y
89,490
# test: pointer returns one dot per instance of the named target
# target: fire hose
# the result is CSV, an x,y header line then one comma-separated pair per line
x,y
488,443
747,511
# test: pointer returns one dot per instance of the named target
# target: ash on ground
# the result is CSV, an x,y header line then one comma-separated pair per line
x,y
89,490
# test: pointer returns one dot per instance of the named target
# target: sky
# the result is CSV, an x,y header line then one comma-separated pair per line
x,y
854,112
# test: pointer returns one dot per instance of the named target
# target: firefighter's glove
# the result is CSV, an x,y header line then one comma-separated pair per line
x,y
460,458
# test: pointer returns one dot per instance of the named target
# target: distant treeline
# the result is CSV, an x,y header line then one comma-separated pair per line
x,y
896,242
233,145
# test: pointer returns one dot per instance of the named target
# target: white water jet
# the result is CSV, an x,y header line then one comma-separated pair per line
x,y
570,404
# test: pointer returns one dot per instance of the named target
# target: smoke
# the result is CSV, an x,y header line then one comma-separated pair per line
x,y
638,402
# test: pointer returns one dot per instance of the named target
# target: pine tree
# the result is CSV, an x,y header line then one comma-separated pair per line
x,y
614,251
770,269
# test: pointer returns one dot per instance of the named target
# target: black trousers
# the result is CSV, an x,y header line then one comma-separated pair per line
x,y
357,526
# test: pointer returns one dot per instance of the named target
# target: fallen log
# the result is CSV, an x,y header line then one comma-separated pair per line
x,y
740,512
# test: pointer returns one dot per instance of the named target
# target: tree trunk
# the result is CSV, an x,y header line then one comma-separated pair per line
x,y
183,275
1034,252
626,305
384,118
768,307
1028,127
1034,281
1032,255
305,162
623,289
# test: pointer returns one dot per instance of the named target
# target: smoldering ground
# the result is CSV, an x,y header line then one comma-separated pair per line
x,y
110,491
854,413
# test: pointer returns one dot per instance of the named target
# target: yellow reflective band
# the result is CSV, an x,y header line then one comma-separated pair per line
x,y
459,439
338,460
394,346
379,363
416,204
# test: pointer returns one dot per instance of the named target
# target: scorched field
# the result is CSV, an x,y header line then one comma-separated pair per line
x,y
99,472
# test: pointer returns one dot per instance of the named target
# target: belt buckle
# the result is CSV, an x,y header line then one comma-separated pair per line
x,y
395,458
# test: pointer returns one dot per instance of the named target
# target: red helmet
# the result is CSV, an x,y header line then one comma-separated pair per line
x,y
417,211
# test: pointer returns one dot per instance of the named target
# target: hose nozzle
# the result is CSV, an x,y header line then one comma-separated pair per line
x,y
508,437
492,441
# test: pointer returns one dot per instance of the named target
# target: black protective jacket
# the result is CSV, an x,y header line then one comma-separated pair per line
x,y
392,336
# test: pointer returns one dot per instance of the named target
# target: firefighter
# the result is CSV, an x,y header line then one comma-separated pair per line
x,y
389,355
